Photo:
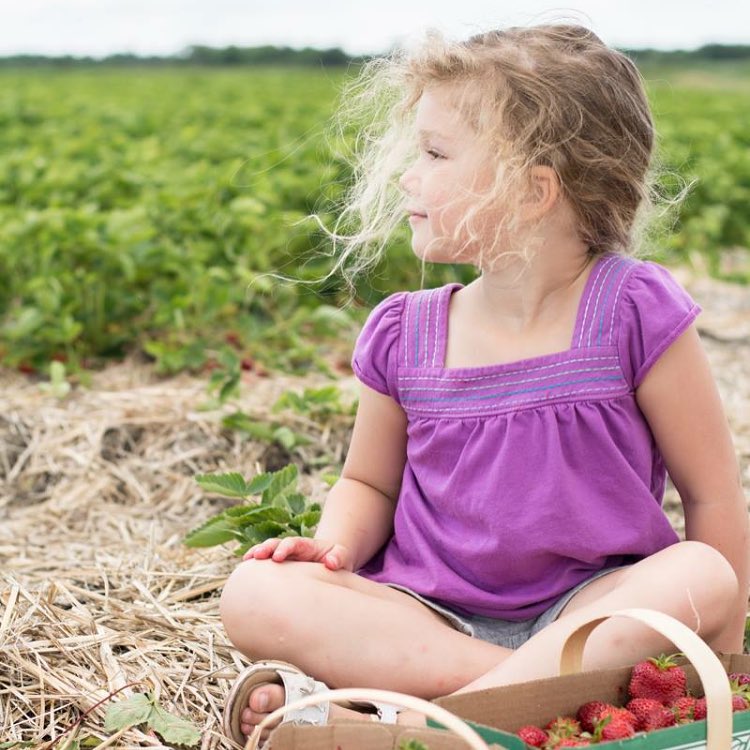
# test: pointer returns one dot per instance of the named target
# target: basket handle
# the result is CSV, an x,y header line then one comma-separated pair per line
x,y
710,671
431,710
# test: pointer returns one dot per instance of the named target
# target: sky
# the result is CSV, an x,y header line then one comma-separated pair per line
x,y
98,28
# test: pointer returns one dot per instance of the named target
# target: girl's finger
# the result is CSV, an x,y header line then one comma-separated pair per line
x,y
286,547
259,551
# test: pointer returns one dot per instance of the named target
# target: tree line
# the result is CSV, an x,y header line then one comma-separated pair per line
x,y
311,57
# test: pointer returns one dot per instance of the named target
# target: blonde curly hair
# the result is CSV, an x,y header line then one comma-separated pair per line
x,y
551,94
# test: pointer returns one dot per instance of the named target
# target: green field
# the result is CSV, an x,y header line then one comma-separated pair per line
x,y
138,208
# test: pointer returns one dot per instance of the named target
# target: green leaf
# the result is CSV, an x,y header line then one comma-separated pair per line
x,y
296,503
242,515
173,728
285,437
309,518
230,485
260,482
269,529
283,478
328,394
216,530
127,713
243,423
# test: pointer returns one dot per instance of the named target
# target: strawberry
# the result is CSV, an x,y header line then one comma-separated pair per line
x,y
641,708
683,709
658,678
614,724
741,678
658,719
699,710
740,692
563,726
619,713
588,714
614,727
532,735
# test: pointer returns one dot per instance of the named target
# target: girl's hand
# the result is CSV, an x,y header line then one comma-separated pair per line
x,y
302,548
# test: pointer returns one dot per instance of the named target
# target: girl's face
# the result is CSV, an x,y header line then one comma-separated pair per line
x,y
450,167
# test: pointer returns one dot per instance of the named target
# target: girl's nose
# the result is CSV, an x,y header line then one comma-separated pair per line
x,y
406,181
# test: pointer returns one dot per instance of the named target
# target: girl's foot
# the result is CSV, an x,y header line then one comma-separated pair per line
x,y
273,694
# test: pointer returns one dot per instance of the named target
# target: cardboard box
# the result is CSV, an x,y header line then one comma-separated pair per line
x,y
361,735
349,735
495,714
537,702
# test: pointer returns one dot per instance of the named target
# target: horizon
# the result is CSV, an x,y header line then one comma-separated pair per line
x,y
99,29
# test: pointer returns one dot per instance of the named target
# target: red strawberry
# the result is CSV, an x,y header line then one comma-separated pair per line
x,y
616,727
563,726
741,678
683,709
699,711
614,724
619,713
739,703
233,338
641,708
588,714
658,719
658,678
532,735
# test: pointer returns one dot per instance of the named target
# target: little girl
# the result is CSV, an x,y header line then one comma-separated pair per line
x,y
512,440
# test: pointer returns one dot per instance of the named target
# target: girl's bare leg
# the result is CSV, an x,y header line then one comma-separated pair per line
x,y
346,631
690,581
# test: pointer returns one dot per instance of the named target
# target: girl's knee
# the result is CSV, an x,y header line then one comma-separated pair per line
x,y
715,582
707,562
257,594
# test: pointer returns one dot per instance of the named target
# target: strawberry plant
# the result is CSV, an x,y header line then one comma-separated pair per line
x,y
317,403
281,510
164,235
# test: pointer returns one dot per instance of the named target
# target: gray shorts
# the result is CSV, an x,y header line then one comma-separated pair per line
x,y
507,633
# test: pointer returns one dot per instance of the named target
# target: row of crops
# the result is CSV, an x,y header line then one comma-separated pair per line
x,y
139,210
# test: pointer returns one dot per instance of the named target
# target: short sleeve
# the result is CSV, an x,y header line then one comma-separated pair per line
x,y
654,311
374,359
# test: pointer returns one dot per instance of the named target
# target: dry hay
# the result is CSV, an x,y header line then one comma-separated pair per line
x,y
98,591
96,494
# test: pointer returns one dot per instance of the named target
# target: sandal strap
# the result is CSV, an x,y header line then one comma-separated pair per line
x,y
387,712
298,685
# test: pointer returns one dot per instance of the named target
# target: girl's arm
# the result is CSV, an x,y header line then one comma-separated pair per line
x,y
358,511
682,405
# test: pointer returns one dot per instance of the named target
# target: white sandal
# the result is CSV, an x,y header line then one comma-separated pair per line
x,y
297,685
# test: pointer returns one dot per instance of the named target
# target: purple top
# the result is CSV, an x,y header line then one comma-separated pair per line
x,y
524,478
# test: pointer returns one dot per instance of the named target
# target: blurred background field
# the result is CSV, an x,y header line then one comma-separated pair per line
x,y
140,208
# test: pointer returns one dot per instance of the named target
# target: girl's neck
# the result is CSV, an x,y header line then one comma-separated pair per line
x,y
520,298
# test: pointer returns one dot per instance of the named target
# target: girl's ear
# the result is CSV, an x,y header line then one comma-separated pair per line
x,y
543,192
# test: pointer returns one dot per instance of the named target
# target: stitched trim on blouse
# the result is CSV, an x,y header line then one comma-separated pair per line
x,y
547,387
613,368
617,390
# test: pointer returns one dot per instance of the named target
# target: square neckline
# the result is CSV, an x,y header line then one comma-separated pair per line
x,y
519,363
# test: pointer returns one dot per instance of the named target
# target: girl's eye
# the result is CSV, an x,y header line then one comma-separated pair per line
x,y
434,154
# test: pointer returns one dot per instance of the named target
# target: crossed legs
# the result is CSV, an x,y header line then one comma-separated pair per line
x,y
351,632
